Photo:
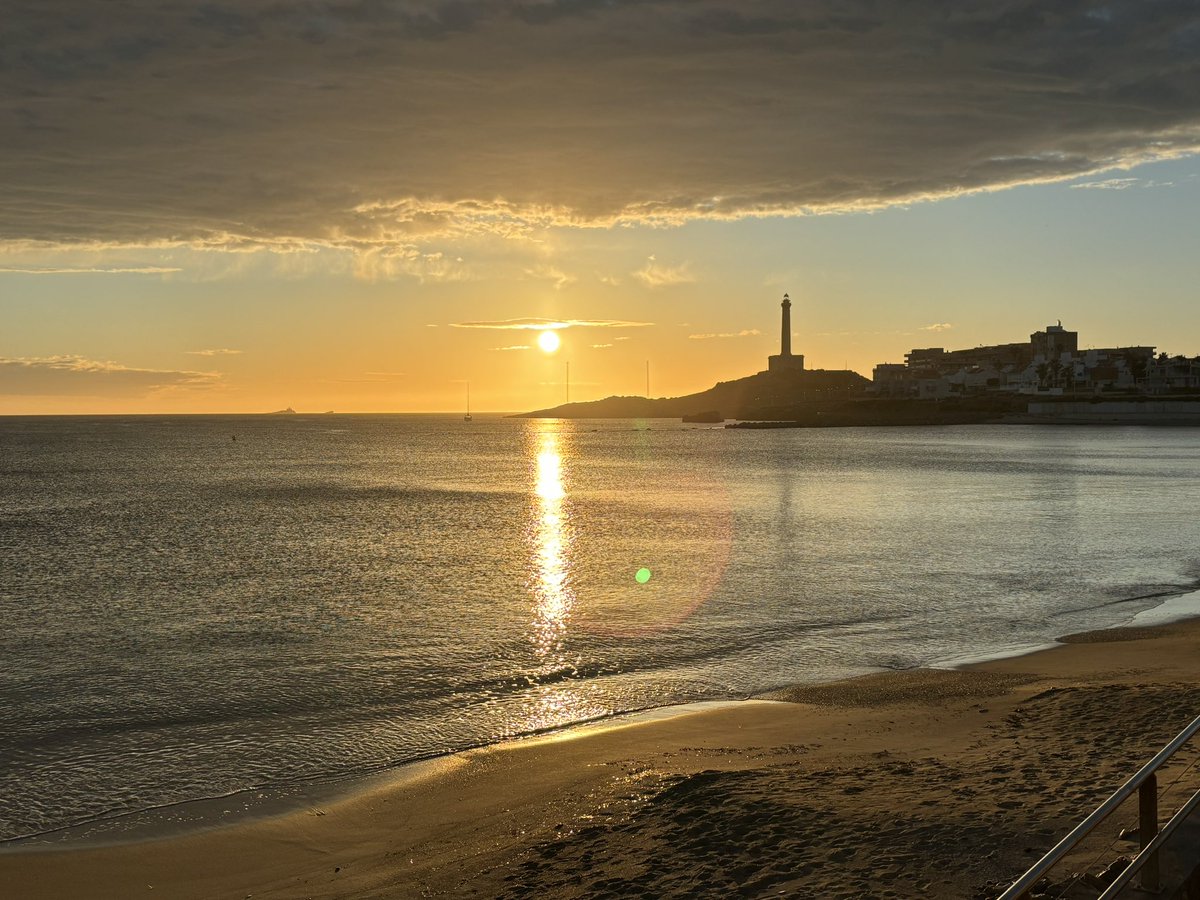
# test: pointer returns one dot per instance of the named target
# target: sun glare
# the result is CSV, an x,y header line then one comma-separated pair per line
x,y
548,341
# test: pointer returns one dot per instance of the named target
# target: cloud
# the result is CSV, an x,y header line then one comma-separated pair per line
x,y
539,324
372,378
745,332
515,347
89,270
656,275
600,346
1121,184
78,376
223,351
427,122
937,326
551,273
388,261
1108,184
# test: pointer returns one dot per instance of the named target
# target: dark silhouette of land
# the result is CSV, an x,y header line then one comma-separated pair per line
x,y
795,398
766,395
815,399
785,391
1029,383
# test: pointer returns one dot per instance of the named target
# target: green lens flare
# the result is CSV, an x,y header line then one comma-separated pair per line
x,y
642,576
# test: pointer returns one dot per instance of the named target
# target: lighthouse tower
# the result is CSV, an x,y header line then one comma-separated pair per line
x,y
786,361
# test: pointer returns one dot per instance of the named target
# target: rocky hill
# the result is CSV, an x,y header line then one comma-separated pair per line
x,y
764,395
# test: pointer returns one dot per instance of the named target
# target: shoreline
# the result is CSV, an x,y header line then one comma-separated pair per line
x,y
536,810
204,814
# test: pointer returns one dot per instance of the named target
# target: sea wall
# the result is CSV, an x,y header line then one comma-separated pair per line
x,y
1131,412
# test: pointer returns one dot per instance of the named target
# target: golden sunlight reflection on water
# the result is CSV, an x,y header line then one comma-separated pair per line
x,y
592,528
588,531
552,536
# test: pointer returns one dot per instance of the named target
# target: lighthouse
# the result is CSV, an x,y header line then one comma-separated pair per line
x,y
785,335
785,361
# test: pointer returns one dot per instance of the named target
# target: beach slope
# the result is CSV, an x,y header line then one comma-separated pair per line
x,y
932,783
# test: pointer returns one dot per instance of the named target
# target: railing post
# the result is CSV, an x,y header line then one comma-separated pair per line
x,y
1146,783
1147,829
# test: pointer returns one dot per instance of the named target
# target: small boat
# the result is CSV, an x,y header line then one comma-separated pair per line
x,y
467,417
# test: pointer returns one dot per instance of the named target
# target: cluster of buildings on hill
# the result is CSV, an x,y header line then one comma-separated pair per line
x,y
1051,363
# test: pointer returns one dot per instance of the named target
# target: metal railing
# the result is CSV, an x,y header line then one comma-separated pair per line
x,y
1149,852
1145,782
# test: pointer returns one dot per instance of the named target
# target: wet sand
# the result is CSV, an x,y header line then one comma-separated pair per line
x,y
926,783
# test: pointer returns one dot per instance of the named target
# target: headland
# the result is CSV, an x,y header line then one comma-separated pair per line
x,y
1045,380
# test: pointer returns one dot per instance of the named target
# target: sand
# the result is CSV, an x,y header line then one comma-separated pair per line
x,y
925,783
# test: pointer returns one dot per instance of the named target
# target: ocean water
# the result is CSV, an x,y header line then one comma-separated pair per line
x,y
184,615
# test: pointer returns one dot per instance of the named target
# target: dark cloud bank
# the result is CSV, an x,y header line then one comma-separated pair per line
x,y
365,123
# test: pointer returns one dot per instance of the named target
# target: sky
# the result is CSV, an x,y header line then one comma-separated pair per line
x,y
245,205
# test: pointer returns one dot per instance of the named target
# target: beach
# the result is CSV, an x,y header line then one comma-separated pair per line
x,y
932,783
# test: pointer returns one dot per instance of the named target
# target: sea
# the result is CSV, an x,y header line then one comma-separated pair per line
x,y
229,609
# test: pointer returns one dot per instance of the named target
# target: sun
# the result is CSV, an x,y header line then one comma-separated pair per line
x,y
548,341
